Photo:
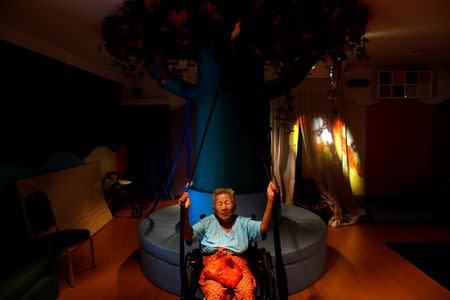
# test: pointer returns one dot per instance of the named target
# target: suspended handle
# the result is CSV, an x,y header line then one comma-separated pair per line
x,y
279,264
185,289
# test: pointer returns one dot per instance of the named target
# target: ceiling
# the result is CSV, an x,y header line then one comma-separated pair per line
x,y
400,32
409,32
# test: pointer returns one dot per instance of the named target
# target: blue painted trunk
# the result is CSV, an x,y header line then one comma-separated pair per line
x,y
237,135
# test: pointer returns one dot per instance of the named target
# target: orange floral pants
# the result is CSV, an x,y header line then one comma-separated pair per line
x,y
213,290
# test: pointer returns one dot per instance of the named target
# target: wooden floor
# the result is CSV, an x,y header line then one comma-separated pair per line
x,y
359,265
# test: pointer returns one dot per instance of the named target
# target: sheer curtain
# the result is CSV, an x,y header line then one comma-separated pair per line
x,y
283,122
326,146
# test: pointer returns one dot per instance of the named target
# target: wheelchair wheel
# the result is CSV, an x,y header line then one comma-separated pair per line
x,y
265,276
194,267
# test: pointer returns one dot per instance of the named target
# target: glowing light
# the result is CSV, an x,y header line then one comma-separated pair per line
x,y
323,134
356,183
344,148
293,138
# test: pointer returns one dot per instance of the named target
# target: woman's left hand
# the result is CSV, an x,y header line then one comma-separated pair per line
x,y
271,190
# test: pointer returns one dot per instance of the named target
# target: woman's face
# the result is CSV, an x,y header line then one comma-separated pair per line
x,y
224,208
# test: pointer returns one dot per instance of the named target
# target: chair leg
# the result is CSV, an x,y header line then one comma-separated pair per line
x,y
69,260
91,241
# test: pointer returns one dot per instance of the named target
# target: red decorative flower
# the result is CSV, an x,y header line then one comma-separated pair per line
x,y
217,17
208,7
178,19
276,19
150,5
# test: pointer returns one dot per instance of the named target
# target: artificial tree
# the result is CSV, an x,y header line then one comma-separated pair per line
x,y
232,43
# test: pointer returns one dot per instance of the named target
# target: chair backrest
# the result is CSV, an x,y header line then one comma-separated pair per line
x,y
39,213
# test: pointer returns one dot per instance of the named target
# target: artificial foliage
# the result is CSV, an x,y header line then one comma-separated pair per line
x,y
281,33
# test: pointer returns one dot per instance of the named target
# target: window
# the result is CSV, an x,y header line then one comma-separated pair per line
x,y
405,84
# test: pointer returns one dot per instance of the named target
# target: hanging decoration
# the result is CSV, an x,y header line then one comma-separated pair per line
x,y
335,77
285,114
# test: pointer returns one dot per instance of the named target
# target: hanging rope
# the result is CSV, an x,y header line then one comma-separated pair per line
x,y
186,133
186,292
279,264
203,138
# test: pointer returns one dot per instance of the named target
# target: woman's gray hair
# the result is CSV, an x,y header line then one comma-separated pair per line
x,y
220,191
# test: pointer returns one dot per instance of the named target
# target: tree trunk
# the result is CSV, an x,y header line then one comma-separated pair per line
x,y
238,131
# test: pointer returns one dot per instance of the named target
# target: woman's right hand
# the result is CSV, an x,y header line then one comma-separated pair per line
x,y
184,199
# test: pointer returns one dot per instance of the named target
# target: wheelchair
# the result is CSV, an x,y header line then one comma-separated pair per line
x,y
259,262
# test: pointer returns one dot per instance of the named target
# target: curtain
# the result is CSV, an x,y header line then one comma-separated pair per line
x,y
284,131
327,148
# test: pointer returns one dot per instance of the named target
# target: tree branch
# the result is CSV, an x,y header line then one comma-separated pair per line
x,y
170,82
283,84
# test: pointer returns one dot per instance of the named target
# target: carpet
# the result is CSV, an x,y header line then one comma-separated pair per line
x,y
432,258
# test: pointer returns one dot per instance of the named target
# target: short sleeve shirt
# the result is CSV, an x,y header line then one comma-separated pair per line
x,y
212,236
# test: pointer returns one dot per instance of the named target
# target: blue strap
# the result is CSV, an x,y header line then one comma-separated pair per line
x,y
185,133
187,127
172,171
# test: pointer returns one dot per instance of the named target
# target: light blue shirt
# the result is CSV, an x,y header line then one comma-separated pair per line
x,y
212,236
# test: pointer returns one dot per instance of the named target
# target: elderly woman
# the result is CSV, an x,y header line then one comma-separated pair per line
x,y
223,237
